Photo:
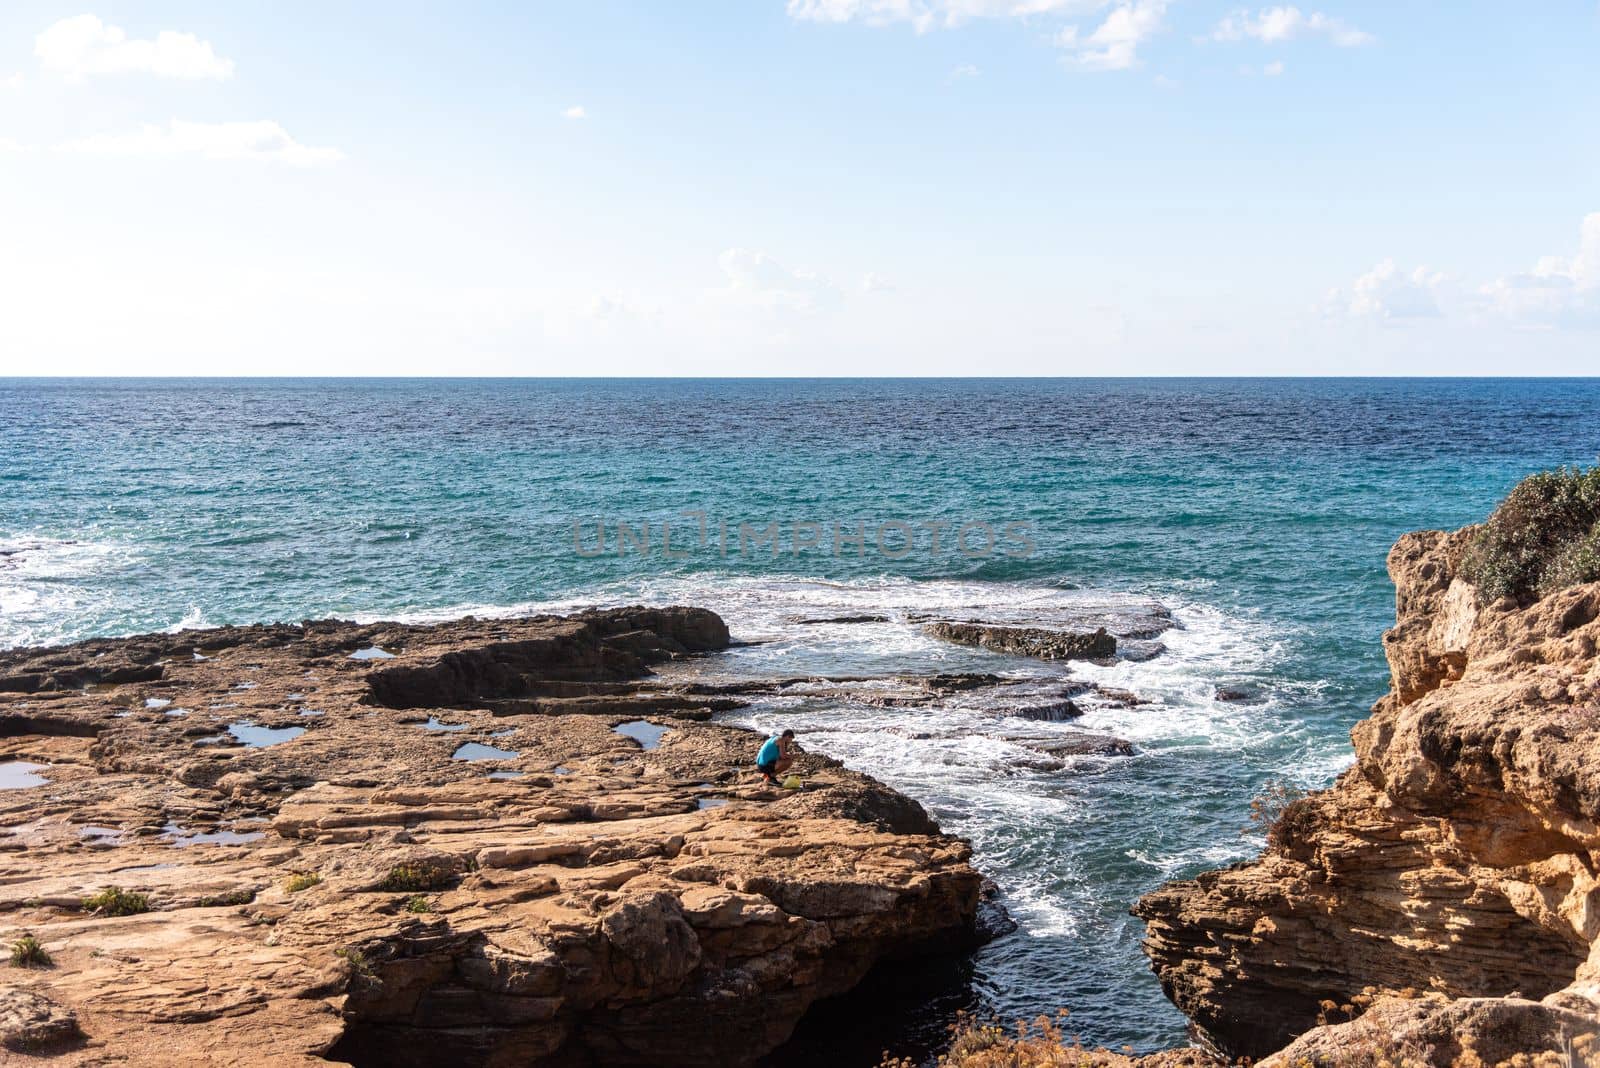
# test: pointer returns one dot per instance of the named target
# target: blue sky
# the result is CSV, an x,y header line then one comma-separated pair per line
x,y
808,187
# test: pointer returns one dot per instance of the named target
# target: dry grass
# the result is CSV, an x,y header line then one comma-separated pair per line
x,y
1040,1043
1286,813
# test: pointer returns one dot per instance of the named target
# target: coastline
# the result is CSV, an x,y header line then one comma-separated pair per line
x,y
307,872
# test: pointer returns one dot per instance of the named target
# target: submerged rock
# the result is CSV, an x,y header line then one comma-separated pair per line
x,y
1028,641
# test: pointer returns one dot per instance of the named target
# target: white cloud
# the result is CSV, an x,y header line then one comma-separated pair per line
x,y
925,15
83,45
262,139
1273,69
614,309
1273,24
8,145
576,111
757,278
872,282
1386,293
1114,45
1559,291
13,82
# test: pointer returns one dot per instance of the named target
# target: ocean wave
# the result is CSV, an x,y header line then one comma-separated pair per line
x,y
47,583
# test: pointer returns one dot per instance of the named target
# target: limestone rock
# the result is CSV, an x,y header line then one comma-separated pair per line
x,y
1028,641
445,854
32,1023
1455,860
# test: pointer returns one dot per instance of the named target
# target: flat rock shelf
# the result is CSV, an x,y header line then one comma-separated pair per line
x,y
339,888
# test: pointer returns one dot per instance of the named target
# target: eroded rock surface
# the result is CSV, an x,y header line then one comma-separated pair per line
x,y
1449,878
1098,644
356,892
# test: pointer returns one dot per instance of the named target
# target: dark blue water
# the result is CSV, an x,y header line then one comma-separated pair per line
x,y
1259,511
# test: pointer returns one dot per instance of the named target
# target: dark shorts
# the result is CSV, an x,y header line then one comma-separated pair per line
x,y
769,770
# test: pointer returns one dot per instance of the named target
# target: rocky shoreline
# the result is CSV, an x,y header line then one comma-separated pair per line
x,y
511,842
1440,904
474,843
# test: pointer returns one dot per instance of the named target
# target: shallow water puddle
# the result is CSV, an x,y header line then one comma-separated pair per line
x,y
176,712
19,775
157,702
647,734
435,725
479,751
311,712
710,802
374,653
501,775
176,836
257,737
560,770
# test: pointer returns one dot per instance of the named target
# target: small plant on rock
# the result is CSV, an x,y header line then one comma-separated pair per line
x,y
1040,1043
233,897
26,952
411,877
1285,812
418,903
1544,537
301,880
115,901
360,967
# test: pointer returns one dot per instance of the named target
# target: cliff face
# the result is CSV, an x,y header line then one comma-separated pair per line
x,y
311,871
1448,879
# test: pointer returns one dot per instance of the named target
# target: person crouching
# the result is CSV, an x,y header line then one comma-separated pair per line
x,y
775,757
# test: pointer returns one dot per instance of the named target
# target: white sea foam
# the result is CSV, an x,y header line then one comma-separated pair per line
x,y
1033,818
193,619
47,583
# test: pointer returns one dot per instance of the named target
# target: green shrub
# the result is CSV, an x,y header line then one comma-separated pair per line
x,y
1544,537
418,903
361,971
26,952
233,897
115,901
411,877
301,880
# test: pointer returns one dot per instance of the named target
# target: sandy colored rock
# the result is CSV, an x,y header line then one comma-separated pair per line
x,y
354,893
32,1023
1455,860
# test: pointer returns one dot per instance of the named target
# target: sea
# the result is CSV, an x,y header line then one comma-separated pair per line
x,y
1255,512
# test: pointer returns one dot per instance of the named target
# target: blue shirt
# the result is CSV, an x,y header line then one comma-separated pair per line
x,y
770,752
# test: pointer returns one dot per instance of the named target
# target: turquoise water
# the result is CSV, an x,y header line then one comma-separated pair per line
x,y
1258,511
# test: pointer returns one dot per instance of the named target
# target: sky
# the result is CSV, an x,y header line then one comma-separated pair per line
x,y
799,188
